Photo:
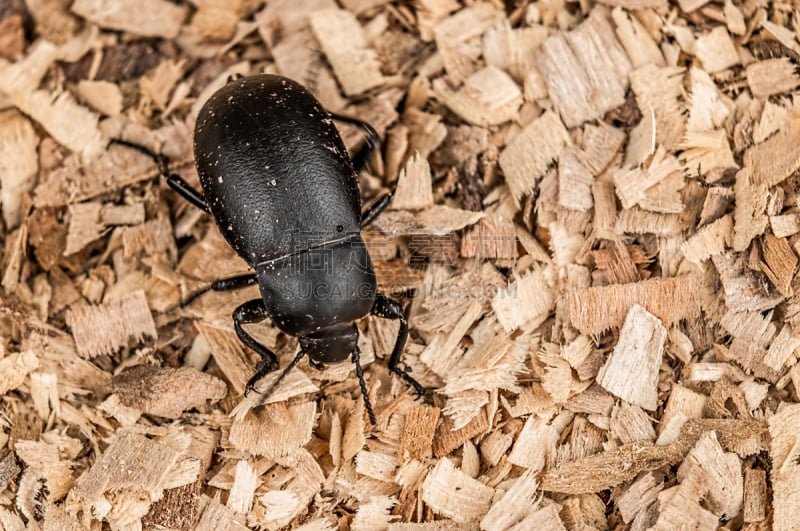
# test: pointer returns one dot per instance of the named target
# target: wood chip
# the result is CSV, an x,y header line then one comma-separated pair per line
x,y
167,392
105,328
150,18
771,76
102,96
526,158
19,164
631,371
418,432
343,41
595,309
488,97
716,50
534,288
453,494
576,64
782,427
755,495
275,431
414,187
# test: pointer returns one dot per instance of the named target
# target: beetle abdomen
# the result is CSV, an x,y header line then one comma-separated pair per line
x,y
273,167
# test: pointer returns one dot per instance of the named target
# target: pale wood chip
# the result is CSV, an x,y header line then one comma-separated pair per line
x,y
414,186
376,465
167,392
536,444
744,289
228,353
103,96
159,82
708,153
435,220
488,97
720,471
105,328
709,241
456,35
19,164
512,49
600,471
426,132
148,18
342,39
418,432
779,263
774,160
781,353
451,493
638,496
785,225
772,76
586,70
122,214
274,433
448,439
514,505
527,157
631,371
633,185
680,508
596,309
629,423
535,288
15,368
131,461
756,499
638,43
661,89
84,226
574,181
493,237
716,51
149,238
785,480
751,202
217,516
707,110
374,513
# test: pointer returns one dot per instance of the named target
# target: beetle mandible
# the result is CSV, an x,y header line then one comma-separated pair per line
x,y
277,179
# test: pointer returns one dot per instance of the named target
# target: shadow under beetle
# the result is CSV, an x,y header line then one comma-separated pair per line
x,y
277,179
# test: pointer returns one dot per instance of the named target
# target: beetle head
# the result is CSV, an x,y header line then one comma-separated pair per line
x,y
330,345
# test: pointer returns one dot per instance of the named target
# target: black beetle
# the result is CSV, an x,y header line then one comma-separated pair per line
x,y
278,181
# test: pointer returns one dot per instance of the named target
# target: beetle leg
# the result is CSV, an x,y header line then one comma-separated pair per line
x,y
186,191
254,311
370,142
176,182
391,309
280,378
224,284
372,212
356,355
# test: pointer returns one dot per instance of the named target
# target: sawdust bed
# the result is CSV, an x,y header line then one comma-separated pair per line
x,y
595,232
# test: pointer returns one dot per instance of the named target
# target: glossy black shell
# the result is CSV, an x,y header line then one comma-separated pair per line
x,y
273,167
280,185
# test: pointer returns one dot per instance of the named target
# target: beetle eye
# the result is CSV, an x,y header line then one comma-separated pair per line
x,y
339,228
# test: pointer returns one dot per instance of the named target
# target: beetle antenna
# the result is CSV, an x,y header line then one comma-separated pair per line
x,y
288,368
363,385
